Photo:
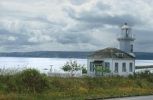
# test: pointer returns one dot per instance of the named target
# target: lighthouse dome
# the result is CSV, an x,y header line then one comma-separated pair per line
x,y
125,26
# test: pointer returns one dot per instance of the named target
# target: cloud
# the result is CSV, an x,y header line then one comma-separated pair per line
x,y
29,25
100,17
78,2
76,38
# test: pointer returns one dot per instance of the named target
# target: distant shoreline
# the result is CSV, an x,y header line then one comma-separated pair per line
x,y
52,57
67,54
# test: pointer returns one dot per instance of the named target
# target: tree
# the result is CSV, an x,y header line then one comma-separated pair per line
x,y
72,67
84,70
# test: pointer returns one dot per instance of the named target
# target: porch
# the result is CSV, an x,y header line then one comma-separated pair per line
x,y
100,68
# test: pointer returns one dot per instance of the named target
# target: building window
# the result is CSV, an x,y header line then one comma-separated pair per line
x,y
116,68
131,67
120,55
91,67
123,67
107,65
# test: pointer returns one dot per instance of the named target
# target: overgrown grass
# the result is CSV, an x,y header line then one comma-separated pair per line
x,y
26,81
31,85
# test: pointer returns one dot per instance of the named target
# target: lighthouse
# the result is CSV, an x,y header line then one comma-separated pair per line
x,y
118,61
126,39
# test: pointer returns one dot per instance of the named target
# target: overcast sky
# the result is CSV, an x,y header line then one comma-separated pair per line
x,y
73,25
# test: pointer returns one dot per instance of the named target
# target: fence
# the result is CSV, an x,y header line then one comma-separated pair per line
x,y
53,74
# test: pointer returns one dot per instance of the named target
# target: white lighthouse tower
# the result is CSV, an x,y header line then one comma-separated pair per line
x,y
126,39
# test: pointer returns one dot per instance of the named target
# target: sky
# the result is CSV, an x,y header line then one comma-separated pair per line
x,y
73,25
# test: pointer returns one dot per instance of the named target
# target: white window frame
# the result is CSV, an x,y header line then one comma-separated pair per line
x,y
124,67
130,67
107,65
116,67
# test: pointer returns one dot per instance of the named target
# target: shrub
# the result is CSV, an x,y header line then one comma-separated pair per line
x,y
30,80
72,67
143,75
84,70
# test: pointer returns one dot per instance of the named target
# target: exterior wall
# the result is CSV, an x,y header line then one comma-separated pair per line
x,y
89,73
112,66
120,67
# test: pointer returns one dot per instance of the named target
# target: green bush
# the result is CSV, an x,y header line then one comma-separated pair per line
x,y
26,81
30,80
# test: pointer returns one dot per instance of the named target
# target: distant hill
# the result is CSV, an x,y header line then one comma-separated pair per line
x,y
66,54
48,54
144,55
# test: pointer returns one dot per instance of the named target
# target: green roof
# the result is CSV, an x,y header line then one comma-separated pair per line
x,y
110,53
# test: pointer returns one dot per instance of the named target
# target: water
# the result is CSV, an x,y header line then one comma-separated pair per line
x,y
143,63
41,64
44,64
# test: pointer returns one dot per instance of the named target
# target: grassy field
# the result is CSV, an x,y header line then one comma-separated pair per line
x,y
31,85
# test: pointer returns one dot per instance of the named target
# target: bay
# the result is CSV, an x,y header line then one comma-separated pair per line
x,y
45,64
42,64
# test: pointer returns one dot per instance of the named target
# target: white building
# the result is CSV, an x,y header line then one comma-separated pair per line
x,y
113,61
